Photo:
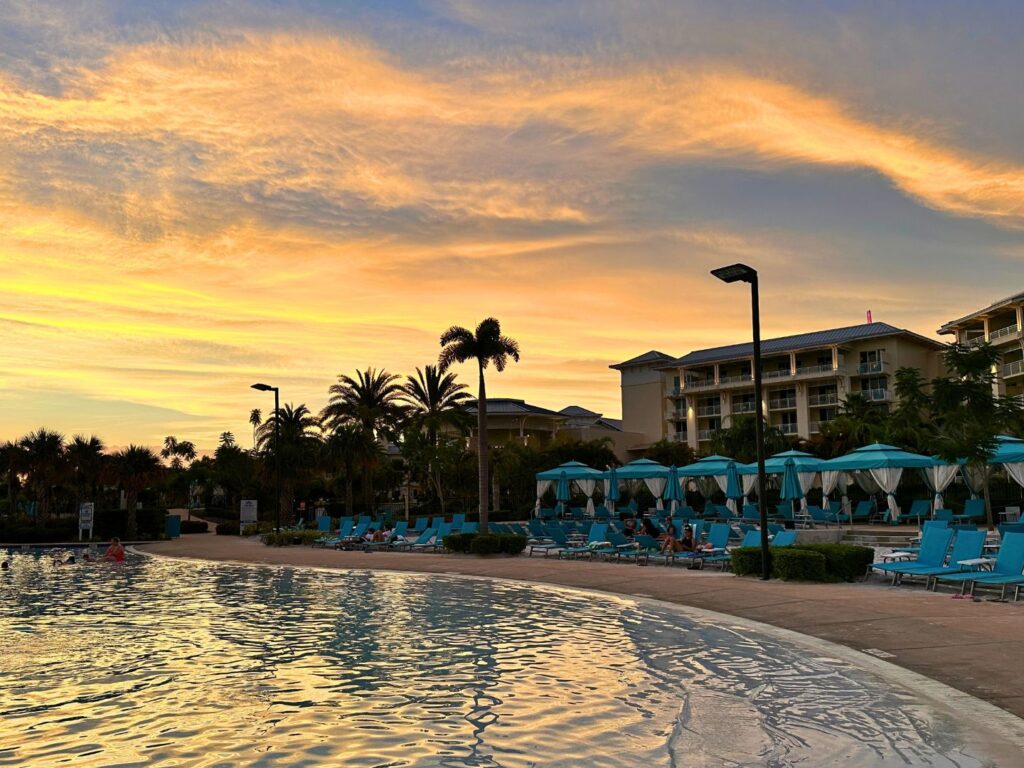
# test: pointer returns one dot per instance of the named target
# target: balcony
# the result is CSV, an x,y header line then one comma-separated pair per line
x,y
782,403
1009,332
677,437
674,392
829,398
825,369
787,429
693,385
875,366
769,375
1016,368
675,415
737,378
710,410
814,427
876,395
744,407
706,434
974,341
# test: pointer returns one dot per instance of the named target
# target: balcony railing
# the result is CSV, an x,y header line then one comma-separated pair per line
x,y
974,341
787,429
692,384
1016,368
876,395
815,426
744,407
875,366
829,398
706,434
677,437
782,403
674,392
710,410
777,374
676,415
815,369
735,378
1008,332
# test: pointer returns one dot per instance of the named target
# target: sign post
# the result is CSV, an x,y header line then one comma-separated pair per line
x,y
248,512
86,512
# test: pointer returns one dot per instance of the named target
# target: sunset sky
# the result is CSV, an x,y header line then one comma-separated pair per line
x,y
198,195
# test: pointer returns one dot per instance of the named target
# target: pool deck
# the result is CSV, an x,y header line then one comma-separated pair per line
x,y
976,647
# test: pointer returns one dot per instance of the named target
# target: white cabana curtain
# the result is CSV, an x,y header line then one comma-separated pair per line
x,y
829,482
656,485
887,479
588,486
974,476
723,484
749,483
938,479
542,487
607,489
807,481
867,483
706,486
1016,471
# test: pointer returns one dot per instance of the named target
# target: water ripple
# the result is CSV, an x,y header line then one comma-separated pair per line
x,y
169,663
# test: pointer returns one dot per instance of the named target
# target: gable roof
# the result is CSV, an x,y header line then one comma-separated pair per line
x,y
653,356
799,341
950,327
504,406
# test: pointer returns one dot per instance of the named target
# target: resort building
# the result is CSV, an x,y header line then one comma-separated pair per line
x,y
806,377
516,421
1000,324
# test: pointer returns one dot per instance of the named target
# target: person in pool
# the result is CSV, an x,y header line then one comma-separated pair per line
x,y
4,565
115,552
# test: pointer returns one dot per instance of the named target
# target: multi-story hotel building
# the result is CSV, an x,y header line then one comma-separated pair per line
x,y
805,378
1000,324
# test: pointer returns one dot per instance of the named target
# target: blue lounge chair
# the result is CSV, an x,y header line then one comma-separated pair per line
x,y
333,541
718,538
475,527
457,521
934,545
642,548
968,545
784,539
974,509
421,541
615,542
558,541
323,523
436,521
598,534
920,509
1007,570
864,510
751,539
943,514
419,525
784,512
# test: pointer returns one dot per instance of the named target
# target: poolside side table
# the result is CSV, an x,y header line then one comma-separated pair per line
x,y
889,557
978,563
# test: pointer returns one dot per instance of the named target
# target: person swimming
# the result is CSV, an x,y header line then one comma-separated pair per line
x,y
115,552
4,565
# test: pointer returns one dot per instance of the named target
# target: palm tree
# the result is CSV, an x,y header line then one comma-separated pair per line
x,y
227,438
44,460
485,346
436,400
299,441
373,402
12,463
85,459
255,418
352,448
136,467
178,451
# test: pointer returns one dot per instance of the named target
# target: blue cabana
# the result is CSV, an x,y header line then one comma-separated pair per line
x,y
879,467
581,475
653,475
806,466
713,469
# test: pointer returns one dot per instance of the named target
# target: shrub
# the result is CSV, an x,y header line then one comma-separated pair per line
x,y
497,543
194,526
459,542
845,562
791,564
252,529
746,561
287,538
227,529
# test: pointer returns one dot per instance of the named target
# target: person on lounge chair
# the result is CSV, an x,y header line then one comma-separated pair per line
x,y
684,544
650,529
629,527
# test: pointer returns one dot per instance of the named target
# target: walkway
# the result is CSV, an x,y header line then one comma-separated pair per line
x,y
975,647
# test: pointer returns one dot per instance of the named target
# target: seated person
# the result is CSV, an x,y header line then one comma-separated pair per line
x,y
380,535
115,552
370,533
684,544
629,527
648,527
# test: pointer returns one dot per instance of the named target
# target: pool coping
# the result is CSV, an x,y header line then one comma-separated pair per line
x,y
983,718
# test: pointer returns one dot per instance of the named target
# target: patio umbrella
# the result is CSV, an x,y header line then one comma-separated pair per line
x,y
611,488
673,491
791,490
733,488
562,491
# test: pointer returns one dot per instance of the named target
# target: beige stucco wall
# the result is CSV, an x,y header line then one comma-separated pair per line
x,y
643,402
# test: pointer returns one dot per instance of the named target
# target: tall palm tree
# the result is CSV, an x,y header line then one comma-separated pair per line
x,y
178,451
352,448
136,467
372,401
85,457
227,438
12,464
436,400
299,444
44,460
486,346
255,418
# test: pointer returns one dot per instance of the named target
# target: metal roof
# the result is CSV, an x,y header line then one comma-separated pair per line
x,y
952,324
794,343
505,406
654,356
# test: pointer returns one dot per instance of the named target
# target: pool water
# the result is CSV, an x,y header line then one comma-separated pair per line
x,y
163,662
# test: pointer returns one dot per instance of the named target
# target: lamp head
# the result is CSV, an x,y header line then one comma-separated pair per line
x,y
263,387
735,273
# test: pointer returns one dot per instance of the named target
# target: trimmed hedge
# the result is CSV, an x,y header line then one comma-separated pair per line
x,y
194,526
497,543
459,542
252,529
843,562
287,538
227,529
791,564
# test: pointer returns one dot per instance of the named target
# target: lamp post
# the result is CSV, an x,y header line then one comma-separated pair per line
x,y
277,446
743,274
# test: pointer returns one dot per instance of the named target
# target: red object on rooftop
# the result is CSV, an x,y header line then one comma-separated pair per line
x,y
869,315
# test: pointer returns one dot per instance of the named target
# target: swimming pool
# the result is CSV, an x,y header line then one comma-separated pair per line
x,y
168,662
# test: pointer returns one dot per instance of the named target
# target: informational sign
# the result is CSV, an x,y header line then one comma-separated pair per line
x,y
249,514
86,513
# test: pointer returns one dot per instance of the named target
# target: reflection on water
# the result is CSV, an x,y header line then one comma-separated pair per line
x,y
162,662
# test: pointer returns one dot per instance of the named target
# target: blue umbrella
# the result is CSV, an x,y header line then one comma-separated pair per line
x,y
562,492
791,490
673,492
611,487
733,488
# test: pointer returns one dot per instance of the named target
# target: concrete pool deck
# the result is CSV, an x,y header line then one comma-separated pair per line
x,y
975,647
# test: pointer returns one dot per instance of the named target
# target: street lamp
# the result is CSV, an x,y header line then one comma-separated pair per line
x,y
277,445
741,273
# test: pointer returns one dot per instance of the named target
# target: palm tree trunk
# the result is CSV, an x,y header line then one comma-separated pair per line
x,y
481,449
495,491
349,494
988,502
